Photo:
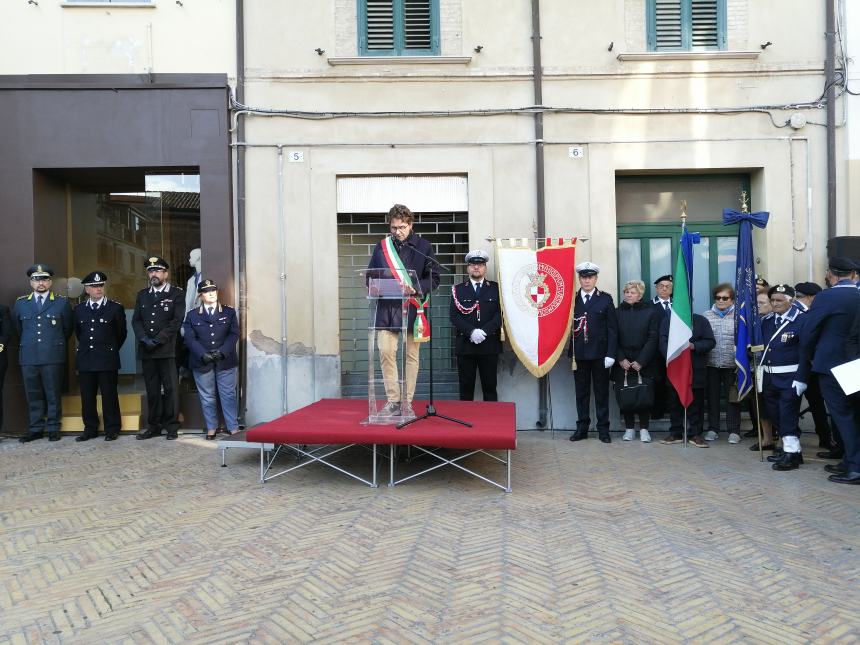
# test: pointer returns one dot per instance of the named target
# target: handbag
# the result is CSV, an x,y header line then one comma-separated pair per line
x,y
636,395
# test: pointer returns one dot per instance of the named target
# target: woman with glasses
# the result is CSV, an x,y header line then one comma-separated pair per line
x,y
721,366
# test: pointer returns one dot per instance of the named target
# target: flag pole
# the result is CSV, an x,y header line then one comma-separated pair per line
x,y
683,226
745,208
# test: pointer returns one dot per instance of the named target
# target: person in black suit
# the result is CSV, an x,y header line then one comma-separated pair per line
x,y
476,314
158,314
100,329
664,286
5,337
595,344
830,337
44,322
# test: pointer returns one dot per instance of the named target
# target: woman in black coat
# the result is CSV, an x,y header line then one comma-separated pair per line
x,y
638,327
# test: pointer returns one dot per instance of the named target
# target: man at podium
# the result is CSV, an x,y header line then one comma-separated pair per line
x,y
400,251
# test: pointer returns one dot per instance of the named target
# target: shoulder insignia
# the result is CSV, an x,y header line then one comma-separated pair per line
x,y
24,297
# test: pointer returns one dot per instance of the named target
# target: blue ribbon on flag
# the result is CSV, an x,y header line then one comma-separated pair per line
x,y
747,322
687,241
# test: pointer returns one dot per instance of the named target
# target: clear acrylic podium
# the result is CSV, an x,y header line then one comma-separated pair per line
x,y
388,309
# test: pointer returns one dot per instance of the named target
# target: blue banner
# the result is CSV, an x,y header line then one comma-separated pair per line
x,y
747,322
687,241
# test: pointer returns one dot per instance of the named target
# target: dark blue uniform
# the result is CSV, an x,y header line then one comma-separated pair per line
x,y
829,337
158,316
484,356
205,334
100,333
5,337
42,356
779,364
595,337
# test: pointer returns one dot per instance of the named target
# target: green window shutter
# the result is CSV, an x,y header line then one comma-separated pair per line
x,y
398,27
683,25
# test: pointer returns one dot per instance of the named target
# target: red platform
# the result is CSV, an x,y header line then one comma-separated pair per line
x,y
339,422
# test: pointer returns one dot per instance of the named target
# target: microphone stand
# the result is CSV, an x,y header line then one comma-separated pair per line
x,y
431,408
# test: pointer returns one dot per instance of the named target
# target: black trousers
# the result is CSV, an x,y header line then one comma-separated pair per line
x,y
722,379
814,398
468,366
630,419
661,390
162,394
843,413
587,374
91,383
695,413
43,385
3,364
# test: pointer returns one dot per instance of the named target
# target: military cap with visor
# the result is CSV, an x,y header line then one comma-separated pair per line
x,y
207,285
94,279
477,256
155,263
587,269
40,271
841,265
784,289
807,289
664,278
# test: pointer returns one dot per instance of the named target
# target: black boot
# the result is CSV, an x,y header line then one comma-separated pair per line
x,y
789,461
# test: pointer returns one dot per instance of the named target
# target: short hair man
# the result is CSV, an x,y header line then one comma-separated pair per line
x,y
401,251
158,314
664,287
595,344
477,317
44,321
830,338
100,329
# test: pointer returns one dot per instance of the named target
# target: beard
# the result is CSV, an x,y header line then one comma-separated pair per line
x,y
155,281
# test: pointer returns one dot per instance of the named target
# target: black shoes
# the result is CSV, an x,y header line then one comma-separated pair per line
x,y
110,437
87,436
836,469
830,454
27,438
788,461
172,435
579,435
53,436
209,437
605,438
148,434
848,478
754,447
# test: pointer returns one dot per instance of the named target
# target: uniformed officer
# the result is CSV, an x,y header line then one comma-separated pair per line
x,y
779,365
664,286
158,314
211,332
476,315
804,295
100,329
830,338
761,285
5,337
44,322
595,343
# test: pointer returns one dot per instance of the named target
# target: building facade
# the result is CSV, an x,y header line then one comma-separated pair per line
x,y
343,107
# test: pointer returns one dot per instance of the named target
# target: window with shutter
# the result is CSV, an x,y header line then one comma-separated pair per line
x,y
686,25
398,27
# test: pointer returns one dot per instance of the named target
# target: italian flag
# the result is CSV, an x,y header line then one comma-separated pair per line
x,y
679,361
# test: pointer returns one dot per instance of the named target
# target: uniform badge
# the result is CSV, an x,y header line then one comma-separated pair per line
x,y
53,321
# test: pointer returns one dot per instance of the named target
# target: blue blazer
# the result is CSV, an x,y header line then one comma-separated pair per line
x,y
602,327
43,333
100,334
829,334
784,348
217,333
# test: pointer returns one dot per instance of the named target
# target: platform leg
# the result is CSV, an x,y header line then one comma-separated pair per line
x,y
262,470
223,457
508,489
391,450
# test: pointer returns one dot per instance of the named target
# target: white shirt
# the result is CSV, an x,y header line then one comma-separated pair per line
x,y
590,294
97,303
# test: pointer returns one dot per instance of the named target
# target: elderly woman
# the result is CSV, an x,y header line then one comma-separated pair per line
x,y
211,334
721,365
638,326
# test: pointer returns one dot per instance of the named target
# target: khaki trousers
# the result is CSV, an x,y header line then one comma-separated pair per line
x,y
388,342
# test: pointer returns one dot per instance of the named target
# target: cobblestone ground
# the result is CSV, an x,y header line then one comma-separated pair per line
x,y
153,542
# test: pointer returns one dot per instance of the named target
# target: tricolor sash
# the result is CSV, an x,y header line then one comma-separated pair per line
x,y
420,328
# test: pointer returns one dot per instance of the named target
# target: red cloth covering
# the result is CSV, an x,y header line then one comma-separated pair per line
x,y
338,421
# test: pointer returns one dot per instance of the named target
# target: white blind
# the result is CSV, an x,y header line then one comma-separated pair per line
x,y
421,193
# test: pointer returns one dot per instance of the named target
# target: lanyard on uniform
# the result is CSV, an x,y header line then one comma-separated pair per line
x,y
775,334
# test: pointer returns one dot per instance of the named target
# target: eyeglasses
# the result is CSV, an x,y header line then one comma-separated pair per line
x,y
722,298
40,279
400,228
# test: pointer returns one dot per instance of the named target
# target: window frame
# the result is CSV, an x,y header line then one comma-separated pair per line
x,y
399,48
686,28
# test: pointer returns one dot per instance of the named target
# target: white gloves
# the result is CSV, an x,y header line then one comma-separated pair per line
x,y
478,336
798,387
608,362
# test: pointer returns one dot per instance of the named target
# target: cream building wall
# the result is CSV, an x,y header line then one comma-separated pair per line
x,y
164,36
496,153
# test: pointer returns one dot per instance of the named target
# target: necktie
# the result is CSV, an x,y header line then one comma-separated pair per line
x,y
41,300
666,306
778,321
94,305
587,298
477,288
211,309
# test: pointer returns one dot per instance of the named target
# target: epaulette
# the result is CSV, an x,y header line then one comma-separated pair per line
x,y
24,297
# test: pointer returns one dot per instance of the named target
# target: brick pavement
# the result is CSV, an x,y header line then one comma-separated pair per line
x,y
152,542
